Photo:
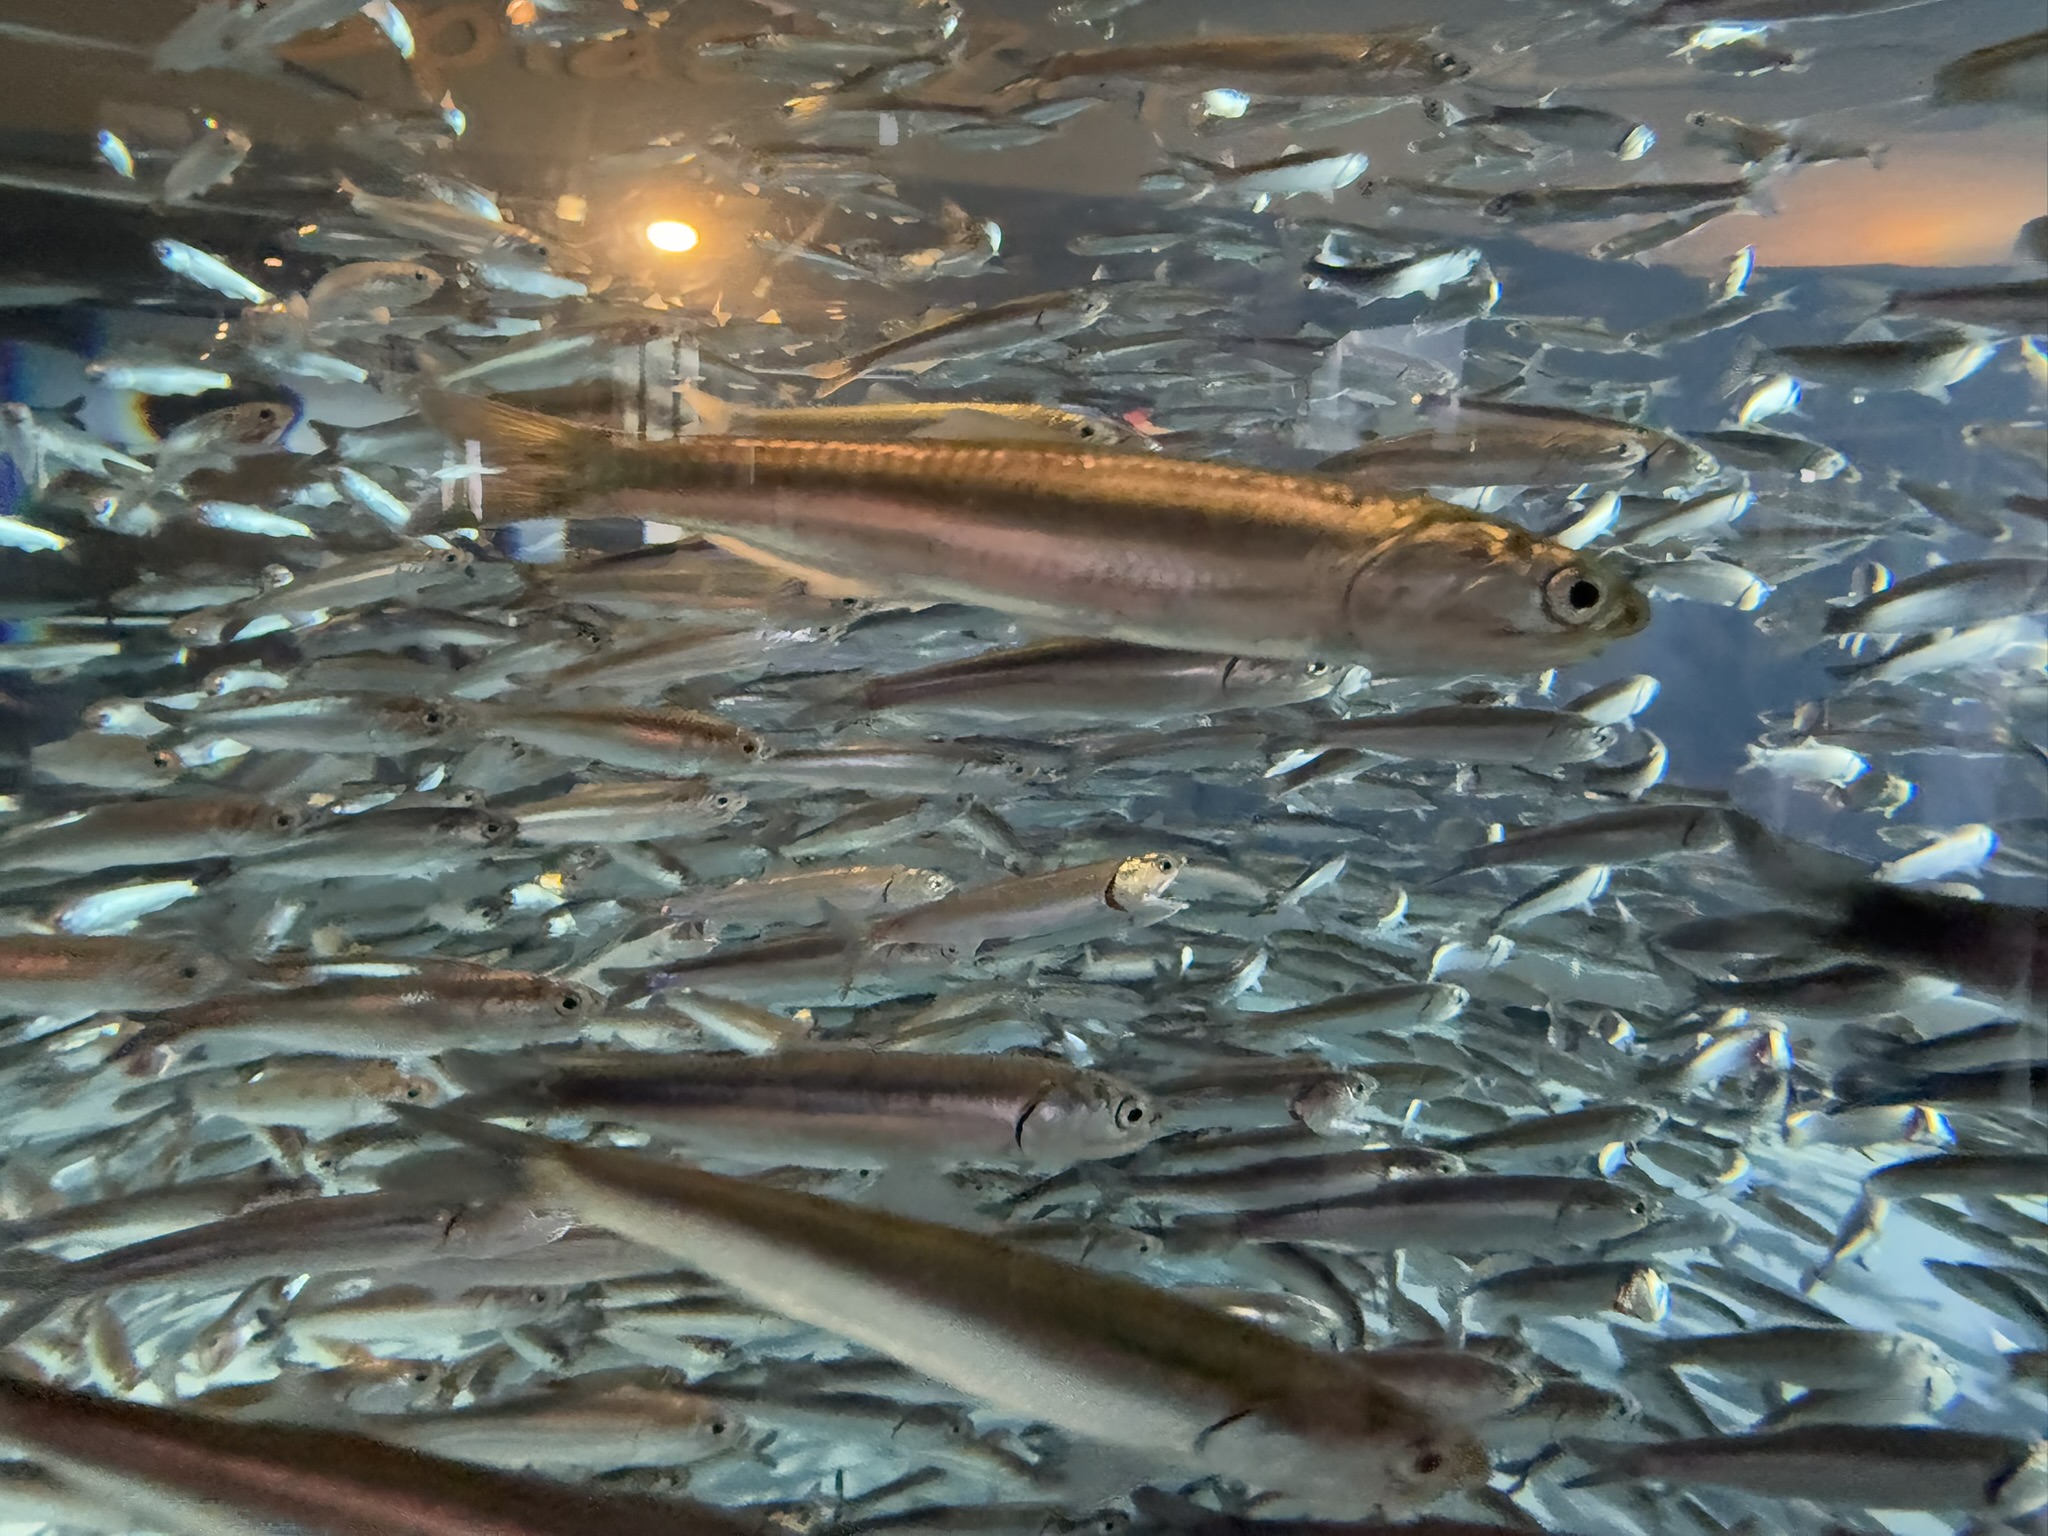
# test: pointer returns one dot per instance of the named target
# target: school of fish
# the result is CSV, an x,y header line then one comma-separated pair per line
x,y
948,884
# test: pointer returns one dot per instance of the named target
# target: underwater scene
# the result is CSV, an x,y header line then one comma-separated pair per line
x,y
978,768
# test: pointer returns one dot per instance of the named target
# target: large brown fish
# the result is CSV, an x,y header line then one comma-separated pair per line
x,y
1148,549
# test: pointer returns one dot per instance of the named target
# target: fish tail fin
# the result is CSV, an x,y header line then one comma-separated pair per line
x,y
483,1077
1607,1467
1036,1198
1188,175
838,368
514,1146
854,938
540,462
29,1288
833,376
712,414
1759,200
1742,366
1627,28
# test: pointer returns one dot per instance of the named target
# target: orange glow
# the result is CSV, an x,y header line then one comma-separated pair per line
x,y
671,235
1936,201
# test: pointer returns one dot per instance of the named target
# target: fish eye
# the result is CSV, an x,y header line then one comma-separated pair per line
x,y
569,1002
1446,64
717,1426
1639,1208
1316,669
189,972
430,717
750,747
452,557
1429,1462
721,802
1572,596
1697,119
163,760
1130,1112
493,828
284,821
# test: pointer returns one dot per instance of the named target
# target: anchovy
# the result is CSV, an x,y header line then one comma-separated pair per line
x,y
1194,556
1136,1366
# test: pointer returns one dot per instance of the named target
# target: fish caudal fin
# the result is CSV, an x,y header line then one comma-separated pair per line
x,y
533,464
30,1290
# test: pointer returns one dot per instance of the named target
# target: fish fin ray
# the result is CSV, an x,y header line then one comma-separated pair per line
x,y
541,462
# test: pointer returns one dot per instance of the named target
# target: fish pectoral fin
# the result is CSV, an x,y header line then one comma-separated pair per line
x,y
818,583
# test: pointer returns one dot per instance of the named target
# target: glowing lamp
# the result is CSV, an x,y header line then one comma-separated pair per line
x,y
671,235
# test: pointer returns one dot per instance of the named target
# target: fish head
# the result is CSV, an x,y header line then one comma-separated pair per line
x,y
1141,881
441,565
1092,1115
1092,429
1462,594
1370,1453
385,1082
256,425
568,1000
407,282
1024,766
1334,1104
1266,677
270,820
721,804
164,766
1598,1212
186,975
1443,1001
475,829
917,887
1675,463
1443,66
1643,1295
2023,1489
1707,832
418,719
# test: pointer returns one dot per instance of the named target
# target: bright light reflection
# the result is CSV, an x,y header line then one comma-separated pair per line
x,y
671,235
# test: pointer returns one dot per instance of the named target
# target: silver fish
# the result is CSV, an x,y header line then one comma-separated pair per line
x,y
1140,1367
